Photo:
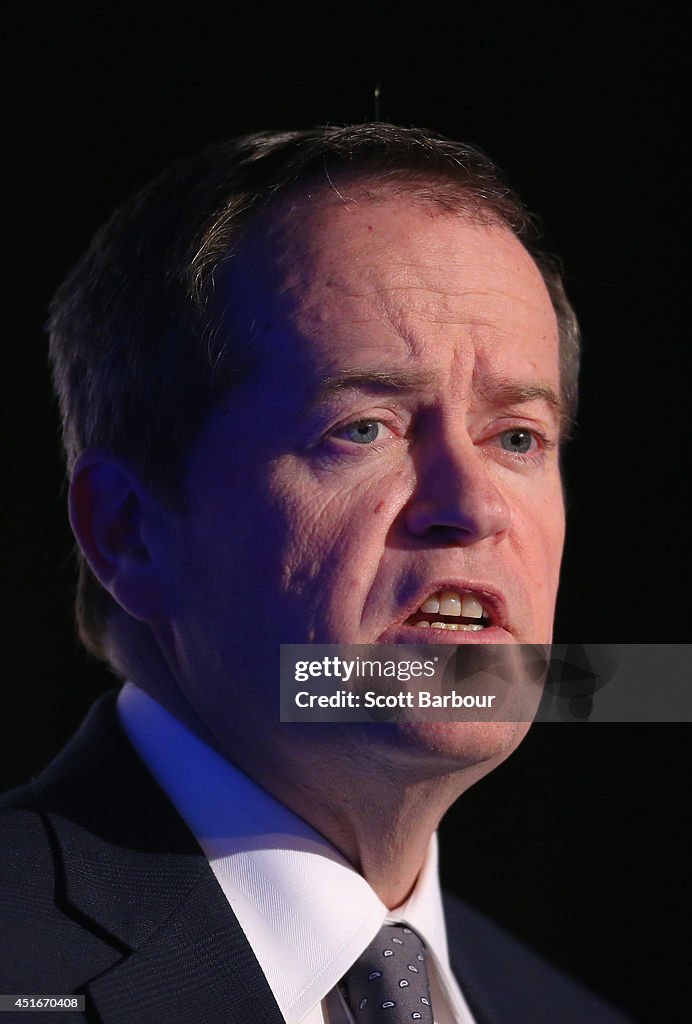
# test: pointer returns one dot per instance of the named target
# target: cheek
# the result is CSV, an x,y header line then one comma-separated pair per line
x,y
550,545
342,510
539,534
554,527
335,546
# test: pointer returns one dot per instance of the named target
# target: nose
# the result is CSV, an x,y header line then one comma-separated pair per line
x,y
455,499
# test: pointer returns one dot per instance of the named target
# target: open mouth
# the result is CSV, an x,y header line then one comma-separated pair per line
x,y
451,610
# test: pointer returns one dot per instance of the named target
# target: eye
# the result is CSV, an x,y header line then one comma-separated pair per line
x,y
517,440
364,431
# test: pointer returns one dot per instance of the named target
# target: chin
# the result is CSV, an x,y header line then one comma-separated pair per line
x,y
446,747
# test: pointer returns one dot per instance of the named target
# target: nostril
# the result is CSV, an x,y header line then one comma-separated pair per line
x,y
445,533
439,518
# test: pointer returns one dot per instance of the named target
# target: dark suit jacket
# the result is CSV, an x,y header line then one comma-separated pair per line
x,y
105,892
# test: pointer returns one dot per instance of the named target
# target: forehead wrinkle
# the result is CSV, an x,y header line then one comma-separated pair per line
x,y
320,269
342,281
448,310
414,309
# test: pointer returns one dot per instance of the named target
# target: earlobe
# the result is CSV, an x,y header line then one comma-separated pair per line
x,y
108,505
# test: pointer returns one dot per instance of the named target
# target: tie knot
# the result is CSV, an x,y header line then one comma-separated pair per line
x,y
389,980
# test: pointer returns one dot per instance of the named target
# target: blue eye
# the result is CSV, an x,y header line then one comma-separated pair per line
x,y
517,441
363,431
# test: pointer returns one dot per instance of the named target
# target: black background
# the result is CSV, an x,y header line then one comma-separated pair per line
x,y
576,843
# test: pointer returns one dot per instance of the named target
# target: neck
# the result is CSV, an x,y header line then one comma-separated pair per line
x,y
373,794
379,813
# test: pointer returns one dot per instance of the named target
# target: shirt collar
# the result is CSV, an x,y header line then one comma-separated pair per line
x,y
305,911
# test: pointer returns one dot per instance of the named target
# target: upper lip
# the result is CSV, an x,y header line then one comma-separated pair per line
x,y
492,599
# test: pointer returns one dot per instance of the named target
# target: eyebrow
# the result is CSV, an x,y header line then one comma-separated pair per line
x,y
494,389
383,381
507,391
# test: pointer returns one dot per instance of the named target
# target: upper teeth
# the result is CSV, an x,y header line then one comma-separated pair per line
x,y
449,602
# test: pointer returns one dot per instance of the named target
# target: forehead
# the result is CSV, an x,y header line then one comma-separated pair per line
x,y
335,278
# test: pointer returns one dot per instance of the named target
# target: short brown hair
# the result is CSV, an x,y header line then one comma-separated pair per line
x,y
141,353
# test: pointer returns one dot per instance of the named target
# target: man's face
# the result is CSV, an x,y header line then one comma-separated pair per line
x,y
396,444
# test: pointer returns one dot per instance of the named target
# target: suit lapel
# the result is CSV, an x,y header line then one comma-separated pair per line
x,y
129,870
194,967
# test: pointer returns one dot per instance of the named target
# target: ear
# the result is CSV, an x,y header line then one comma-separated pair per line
x,y
115,521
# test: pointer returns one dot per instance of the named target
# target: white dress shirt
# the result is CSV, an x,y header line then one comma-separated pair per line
x,y
305,911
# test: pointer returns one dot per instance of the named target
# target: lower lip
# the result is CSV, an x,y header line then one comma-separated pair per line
x,y
428,634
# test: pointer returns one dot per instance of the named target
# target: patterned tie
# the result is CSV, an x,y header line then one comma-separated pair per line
x,y
388,983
